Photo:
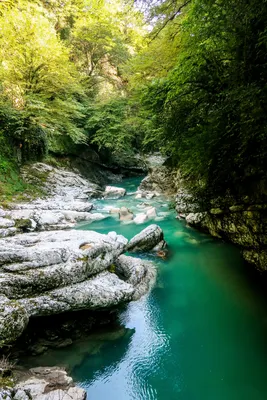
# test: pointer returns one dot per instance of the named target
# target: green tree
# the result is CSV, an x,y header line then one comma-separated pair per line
x,y
211,104
36,74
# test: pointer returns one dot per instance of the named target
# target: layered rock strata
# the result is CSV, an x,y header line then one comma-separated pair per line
x,y
55,272
242,222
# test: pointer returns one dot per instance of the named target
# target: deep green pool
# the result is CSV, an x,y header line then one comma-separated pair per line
x,y
201,334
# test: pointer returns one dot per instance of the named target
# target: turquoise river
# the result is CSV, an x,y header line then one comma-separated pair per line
x,y
201,334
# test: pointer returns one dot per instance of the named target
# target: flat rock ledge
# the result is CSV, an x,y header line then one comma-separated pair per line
x,y
51,383
55,272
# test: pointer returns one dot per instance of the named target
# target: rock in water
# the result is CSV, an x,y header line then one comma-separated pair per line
x,y
125,214
146,240
140,218
113,192
34,263
151,213
50,383
55,272
140,273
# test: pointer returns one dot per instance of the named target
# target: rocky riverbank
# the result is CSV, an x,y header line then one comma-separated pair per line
x,y
42,384
242,222
46,268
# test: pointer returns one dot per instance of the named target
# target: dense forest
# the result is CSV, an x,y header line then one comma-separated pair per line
x,y
185,77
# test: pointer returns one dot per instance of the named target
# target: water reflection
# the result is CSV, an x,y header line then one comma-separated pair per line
x,y
130,377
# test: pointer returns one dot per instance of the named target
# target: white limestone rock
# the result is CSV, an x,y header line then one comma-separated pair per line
x,y
7,232
195,219
13,320
146,240
140,218
33,263
6,223
125,214
55,272
50,383
151,213
113,192
105,290
139,273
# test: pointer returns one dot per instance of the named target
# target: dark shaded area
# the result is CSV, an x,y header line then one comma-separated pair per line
x,y
60,331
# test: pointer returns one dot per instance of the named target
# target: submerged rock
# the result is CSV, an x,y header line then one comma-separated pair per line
x,y
114,210
125,214
140,218
151,213
145,195
146,240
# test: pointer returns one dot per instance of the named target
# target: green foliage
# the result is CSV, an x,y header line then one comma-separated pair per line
x,y
55,59
210,106
115,125
37,77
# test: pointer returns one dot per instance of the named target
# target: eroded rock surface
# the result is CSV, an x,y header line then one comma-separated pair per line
x,y
50,383
113,192
240,221
125,214
65,204
55,272
146,240
139,273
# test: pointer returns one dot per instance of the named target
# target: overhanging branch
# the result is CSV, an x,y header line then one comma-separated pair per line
x,y
170,18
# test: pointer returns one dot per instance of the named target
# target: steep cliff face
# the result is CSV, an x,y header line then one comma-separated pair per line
x,y
242,222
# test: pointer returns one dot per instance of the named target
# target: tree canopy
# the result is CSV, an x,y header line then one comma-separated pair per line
x,y
187,77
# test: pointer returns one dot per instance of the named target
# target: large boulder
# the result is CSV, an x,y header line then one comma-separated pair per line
x,y
139,273
104,290
49,273
34,263
146,240
13,320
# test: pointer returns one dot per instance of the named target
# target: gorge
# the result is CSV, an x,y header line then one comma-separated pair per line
x,y
133,199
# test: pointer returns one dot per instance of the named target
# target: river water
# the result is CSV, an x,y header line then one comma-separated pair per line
x,y
201,334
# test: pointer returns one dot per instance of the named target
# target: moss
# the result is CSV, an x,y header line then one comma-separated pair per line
x,y
6,382
112,268
84,258
23,224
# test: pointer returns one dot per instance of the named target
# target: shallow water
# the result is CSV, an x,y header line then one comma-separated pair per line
x,y
201,334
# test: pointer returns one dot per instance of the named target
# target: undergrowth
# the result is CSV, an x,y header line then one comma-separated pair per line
x,y
12,186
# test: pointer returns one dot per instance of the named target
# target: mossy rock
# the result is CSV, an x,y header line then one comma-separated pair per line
x,y
112,268
23,224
